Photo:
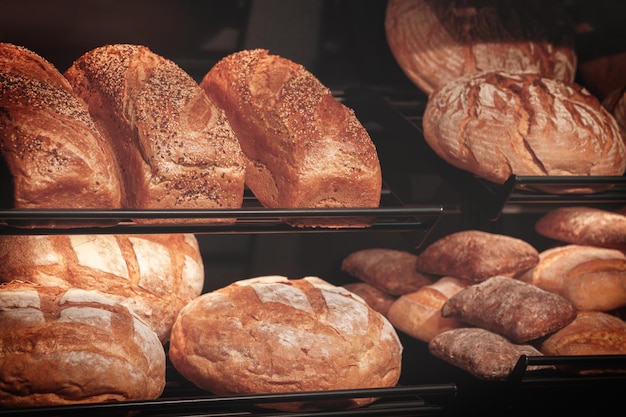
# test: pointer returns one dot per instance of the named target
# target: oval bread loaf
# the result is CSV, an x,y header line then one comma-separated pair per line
x,y
69,346
271,334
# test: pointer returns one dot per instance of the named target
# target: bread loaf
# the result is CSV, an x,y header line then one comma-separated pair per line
x,y
379,300
153,275
56,157
437,41
390,270
176,149
270,334
584,226
514,309
615,103
418,314
475,255
484,354
68,346
304,148
592,278
498,124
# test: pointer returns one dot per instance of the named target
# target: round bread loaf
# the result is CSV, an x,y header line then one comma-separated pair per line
x,y
54,153
67,346
437,41
496,124
154,275
175,148
271,335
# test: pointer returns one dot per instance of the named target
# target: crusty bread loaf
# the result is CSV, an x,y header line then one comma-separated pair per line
x,y
379,300
615,103
591,277
514,309
67,346
270,334
418,314
484,354
55,155
584,226
476,255
176,149
304,148
390,270
435,42
153,275
496,124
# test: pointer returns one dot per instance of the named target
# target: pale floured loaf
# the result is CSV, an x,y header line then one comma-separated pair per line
x,y
496,124
271,334
69,346
175,148
154,275
437,41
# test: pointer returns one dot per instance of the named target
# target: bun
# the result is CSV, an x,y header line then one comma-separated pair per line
x,y
176,149
271,334
475,255
592,278
391,271
516,310
418,314
304,148
584,226
435,42
54,153
68,346
153,275
499,124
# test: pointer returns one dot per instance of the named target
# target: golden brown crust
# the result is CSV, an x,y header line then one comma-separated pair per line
x,y
304,148
54,152
497,124
270,334
476,255
176,149
153,275
437,41
68,346
375,298
390,270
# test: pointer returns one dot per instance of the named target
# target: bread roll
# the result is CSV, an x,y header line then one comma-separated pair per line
x,y
379,300
418,314
584,226
55,155
484,354
390,270
270,334
498,124
475,255
304,148
153,275
592,278
68,346
176,149
514,309
437,41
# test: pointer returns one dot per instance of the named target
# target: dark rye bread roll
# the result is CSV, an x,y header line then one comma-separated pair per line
x,y
154,275
54,153
496,124
271,335
475,255
304,148
514,309
437,41
69,346
176,149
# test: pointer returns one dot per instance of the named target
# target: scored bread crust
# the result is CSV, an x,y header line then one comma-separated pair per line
x,y
68,346
496,124
175,148
55,154
304,148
